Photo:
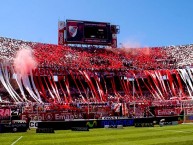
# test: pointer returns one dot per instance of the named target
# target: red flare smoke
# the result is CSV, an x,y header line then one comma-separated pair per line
x,y
24,61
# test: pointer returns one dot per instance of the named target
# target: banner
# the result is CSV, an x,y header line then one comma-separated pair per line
x,y
46,71
167,112
58,116
189,111
18,121
109,117
61,29
114,41
5,114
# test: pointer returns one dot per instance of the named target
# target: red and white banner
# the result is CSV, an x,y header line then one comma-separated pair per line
x,y
59,116
114,41
116,107
124,109
61,29
189,111
5,113
167,112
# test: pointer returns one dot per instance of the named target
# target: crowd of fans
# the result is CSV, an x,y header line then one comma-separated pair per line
x,y
98,59
180,55
8,47
76,57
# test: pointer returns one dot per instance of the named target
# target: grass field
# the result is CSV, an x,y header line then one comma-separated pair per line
x,y
167,135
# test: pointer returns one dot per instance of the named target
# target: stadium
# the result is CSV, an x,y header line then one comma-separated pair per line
x,y
86,77
69,75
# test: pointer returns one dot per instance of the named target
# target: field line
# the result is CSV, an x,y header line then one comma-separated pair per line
x,y
16,140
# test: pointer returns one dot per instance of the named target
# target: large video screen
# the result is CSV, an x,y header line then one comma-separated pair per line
x,y
87,32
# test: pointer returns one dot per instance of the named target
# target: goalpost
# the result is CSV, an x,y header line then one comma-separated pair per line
x,y
187,107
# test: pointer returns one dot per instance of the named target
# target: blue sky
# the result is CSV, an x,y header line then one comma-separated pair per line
x,y
142,22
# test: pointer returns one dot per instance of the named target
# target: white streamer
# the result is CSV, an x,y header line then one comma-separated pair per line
x,y
35,89
183,76
27,85
5,85
16,95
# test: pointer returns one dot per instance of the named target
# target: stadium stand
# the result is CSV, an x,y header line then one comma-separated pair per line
x,y
98,75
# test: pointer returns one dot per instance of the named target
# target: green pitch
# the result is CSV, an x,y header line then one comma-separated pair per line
x,y
167,135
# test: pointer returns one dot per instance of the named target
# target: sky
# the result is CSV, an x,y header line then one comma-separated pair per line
x,y
144,23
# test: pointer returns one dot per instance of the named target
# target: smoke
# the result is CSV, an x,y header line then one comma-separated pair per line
x,y
24,61
130,47
130,44
135,47
146,51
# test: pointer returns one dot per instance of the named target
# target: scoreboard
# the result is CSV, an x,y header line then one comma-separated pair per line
x,y
87,32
